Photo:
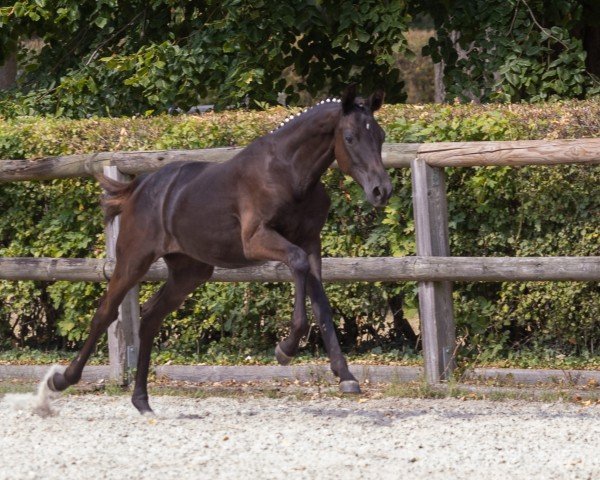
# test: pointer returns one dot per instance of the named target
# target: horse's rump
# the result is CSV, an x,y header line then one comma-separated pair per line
x,y
115,195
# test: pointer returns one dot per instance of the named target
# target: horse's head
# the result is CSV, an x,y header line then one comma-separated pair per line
x,y
358,142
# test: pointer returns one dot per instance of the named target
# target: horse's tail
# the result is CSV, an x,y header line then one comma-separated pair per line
x,y
115,195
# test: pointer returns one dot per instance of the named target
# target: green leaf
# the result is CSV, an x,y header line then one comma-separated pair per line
x,y
101,22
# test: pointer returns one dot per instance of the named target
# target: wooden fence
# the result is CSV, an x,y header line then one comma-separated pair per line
x,y
433,267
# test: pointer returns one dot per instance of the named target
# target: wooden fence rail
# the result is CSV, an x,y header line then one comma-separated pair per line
x,y
395,155
349,269
433,267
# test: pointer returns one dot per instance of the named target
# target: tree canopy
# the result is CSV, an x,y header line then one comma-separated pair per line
x,y
137,57
513,50
109,57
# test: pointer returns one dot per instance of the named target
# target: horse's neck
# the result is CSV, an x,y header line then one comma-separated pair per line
x,y
309,147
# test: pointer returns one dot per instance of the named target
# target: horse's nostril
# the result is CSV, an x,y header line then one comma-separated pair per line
x,y
376,192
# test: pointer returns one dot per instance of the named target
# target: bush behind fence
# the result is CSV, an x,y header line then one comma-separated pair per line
x,y
493,212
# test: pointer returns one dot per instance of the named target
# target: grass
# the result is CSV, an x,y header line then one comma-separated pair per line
x,y
541,359
548,393
16,386
472,389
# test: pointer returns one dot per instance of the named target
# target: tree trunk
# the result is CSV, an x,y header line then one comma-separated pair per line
x,y
591,44
438,79
8,72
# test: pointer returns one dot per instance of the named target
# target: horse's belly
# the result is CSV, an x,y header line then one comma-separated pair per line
x,y
216,244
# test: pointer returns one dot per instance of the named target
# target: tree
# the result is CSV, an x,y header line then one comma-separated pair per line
x,y
8,71
514,50
125,57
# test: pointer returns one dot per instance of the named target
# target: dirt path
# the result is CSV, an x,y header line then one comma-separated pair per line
x,y
103,437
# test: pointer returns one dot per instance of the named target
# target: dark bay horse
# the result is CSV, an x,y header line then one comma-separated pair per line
x,y
266,203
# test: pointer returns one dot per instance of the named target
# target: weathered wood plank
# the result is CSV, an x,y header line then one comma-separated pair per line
x,y
395,155
399,155
438,215
88,164
511,153
363,269
91,373
239,373
132,163
317,373
123,339
567,378
435,297
304,373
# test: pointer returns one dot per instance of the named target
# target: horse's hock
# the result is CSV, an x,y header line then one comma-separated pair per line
x,y
433,267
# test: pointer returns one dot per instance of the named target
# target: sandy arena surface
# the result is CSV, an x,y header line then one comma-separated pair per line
x,y
103,437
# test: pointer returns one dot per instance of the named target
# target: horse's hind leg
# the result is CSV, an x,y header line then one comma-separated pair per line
x,y
185,274
288,347
128,272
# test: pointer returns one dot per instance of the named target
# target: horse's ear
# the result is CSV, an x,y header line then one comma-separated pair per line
x,y
376,100
348,98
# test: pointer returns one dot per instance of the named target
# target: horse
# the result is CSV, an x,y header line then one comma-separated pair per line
x,y
266,203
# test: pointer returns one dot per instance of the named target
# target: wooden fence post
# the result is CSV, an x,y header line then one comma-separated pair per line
x,y
438,330
123,339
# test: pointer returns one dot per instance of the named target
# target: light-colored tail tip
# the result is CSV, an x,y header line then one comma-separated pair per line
x,y
39,403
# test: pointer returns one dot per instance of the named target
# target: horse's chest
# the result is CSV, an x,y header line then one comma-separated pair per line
x,y
289,226
297,222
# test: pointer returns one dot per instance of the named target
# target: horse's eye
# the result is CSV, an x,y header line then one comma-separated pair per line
x,y
348,138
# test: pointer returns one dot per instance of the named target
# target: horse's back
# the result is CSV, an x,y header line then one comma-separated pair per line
x,y
192,208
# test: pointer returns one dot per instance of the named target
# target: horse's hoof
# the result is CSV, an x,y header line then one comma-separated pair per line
x,y
142,405
57,382
350,387
281,357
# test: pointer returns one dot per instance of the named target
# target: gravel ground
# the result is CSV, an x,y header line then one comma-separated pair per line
x,y
103,437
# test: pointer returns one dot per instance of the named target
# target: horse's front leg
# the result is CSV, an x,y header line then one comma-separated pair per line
x,y
266,244
324,316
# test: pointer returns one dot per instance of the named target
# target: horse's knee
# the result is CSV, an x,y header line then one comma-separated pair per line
x,y
298,261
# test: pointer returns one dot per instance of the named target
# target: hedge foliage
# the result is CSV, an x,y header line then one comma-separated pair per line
x,y
497,211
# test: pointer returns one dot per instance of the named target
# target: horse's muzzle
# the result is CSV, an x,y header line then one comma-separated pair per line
x,y
379,194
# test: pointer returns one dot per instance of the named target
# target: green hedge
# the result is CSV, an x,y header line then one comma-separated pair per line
x,y
493,211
